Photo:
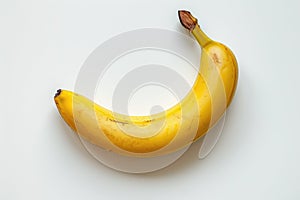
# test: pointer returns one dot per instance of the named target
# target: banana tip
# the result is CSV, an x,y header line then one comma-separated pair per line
x,y
187,20
57,93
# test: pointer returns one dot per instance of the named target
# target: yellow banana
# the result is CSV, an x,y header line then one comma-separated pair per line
x,y
168,131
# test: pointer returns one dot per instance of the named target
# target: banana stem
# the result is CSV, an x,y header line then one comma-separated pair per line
x,y
200,36
191,23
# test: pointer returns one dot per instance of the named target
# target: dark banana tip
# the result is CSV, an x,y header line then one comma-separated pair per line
x,y
187,20
57,93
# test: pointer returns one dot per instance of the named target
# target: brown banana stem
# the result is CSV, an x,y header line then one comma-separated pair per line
x,y
189,22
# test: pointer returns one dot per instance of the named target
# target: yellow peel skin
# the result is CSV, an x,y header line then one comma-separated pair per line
x,y
165,132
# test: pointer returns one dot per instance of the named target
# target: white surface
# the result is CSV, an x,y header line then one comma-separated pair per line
x,y
44,43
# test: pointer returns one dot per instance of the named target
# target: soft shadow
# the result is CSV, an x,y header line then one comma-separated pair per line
x,y
68,136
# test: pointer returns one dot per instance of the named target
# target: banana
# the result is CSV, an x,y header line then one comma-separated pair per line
x,y
168,131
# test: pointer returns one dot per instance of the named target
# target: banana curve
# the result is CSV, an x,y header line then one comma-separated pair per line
x,y
163,132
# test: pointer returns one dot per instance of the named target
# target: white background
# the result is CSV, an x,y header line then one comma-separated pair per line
x,y
42,47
